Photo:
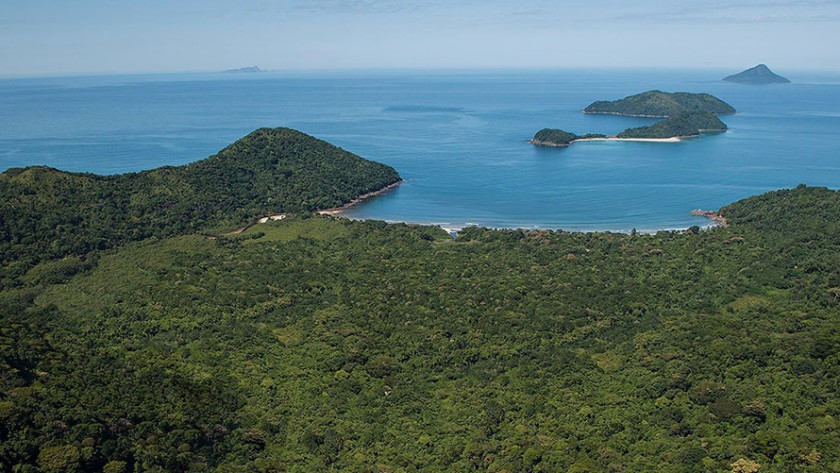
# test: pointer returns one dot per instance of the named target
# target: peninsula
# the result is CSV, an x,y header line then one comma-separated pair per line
x,y
270,171
758,75
658,104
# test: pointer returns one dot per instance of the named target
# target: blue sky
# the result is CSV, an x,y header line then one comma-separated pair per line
x,y
107,36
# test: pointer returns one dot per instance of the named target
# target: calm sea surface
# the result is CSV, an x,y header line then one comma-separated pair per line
x,y
459,139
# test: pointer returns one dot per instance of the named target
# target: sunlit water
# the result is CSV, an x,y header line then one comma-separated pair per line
x,y
459,139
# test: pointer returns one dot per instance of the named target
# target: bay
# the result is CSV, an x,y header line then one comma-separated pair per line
x,y
458,138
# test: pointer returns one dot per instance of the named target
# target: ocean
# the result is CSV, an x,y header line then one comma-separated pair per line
x,y
460,139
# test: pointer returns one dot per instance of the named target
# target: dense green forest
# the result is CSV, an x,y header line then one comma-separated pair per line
x,y
683,125
323,344
46,213
656,103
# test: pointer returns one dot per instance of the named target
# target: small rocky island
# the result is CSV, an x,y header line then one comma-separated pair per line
x,y
760,74
658,104
560,138
686,115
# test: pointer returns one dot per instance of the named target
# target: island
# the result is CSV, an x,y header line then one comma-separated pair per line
x,y
687,115
676,128
758,75
686,125
559,138
244,70
659,104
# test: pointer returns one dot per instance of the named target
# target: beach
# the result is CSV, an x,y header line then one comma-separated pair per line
x,y
674,139
338,210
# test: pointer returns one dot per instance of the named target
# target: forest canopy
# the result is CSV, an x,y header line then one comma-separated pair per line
x,y
325,344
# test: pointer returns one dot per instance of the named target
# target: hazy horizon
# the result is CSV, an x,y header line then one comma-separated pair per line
x,y
49,37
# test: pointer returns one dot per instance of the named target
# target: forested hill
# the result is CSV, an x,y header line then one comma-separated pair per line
x,y
321,344
47,213
656,103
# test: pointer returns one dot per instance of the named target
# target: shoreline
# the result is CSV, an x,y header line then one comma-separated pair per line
x,y
644,116
332,211
673,139
357,199
624,114
713,215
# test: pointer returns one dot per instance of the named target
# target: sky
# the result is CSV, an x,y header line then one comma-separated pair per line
x,y
54,37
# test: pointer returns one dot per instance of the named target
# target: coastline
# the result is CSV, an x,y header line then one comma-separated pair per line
x,y
713,215
549,144
332,211
623,114
357,199
673,139
641,116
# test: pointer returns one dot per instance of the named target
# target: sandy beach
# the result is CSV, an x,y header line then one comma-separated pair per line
x,y
674,139
338,210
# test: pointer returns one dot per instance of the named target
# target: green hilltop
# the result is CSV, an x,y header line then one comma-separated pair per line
x,y
324,344
656,103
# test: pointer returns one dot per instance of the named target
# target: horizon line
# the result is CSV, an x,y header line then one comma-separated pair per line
x,y
379,69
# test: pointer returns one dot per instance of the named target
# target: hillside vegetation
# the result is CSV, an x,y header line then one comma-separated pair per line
x,y
47,213
656,103
316,344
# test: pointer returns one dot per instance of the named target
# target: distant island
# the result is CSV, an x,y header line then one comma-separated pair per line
x,y
760,74
658,104
686,115
676,128
244,70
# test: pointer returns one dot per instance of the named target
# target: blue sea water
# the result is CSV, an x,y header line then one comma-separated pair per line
x,y
458,138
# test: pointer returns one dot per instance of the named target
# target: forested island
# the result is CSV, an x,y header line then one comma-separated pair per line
x,y
686,115
658,104
760,74
136,336
681,126
560,138
684,125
